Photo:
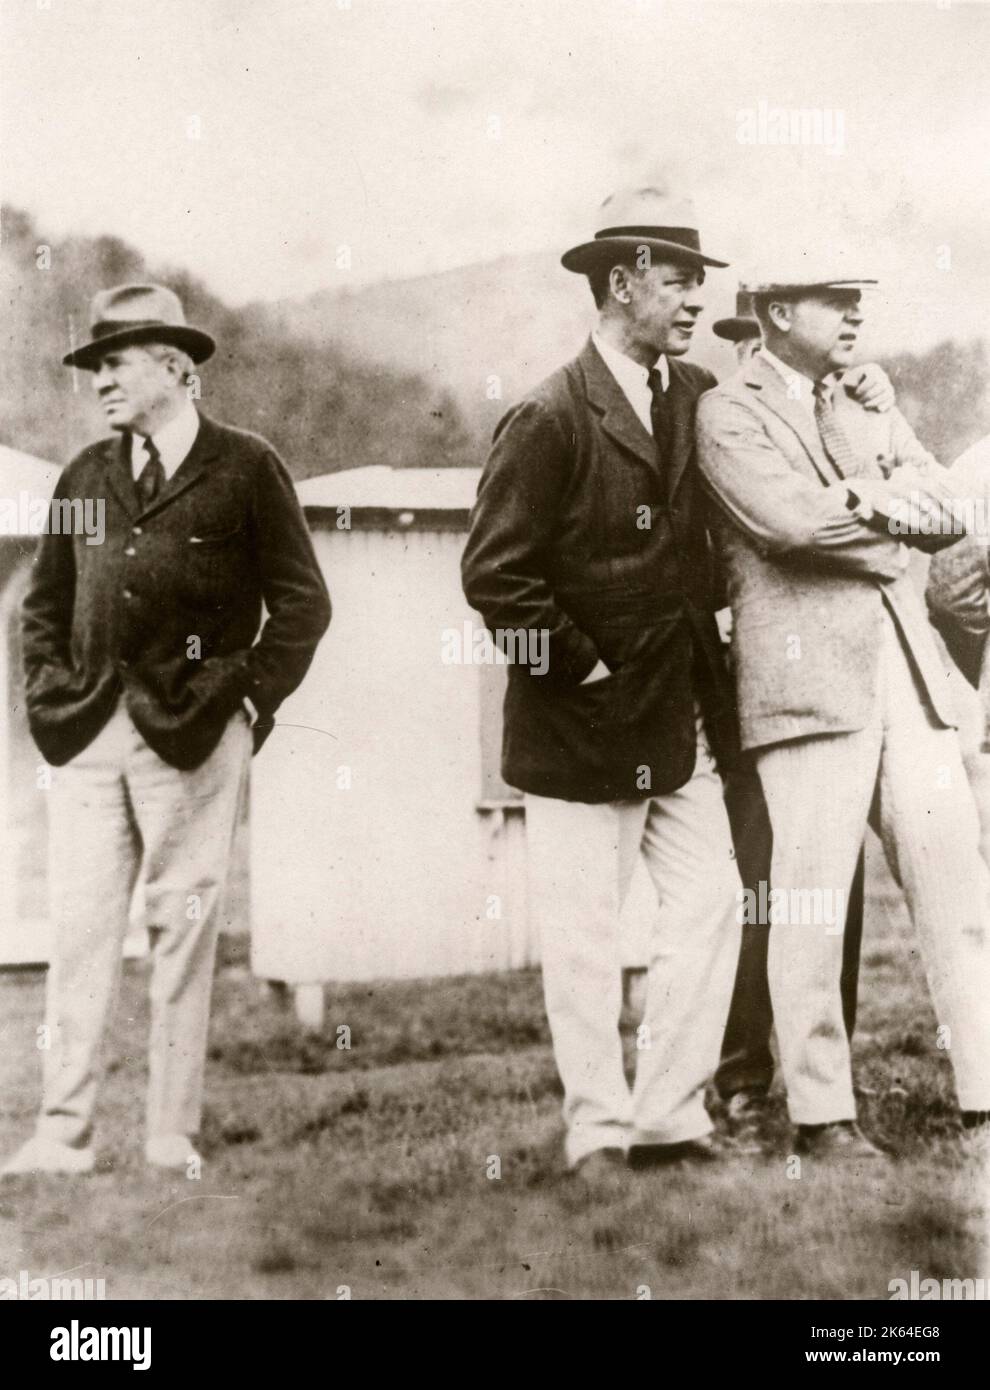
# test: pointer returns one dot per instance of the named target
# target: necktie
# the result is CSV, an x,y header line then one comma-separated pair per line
x,y
151,479
834,442
660,415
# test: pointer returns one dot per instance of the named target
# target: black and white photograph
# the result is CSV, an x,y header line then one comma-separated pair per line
x,y
495,715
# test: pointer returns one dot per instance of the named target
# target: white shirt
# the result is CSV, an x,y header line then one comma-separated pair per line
x,y
173,442
632,378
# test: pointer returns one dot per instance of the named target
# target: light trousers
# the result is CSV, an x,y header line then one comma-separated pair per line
x,y
905,773
580,860
118,811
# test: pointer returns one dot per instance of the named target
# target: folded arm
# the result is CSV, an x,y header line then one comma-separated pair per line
x,y
785,513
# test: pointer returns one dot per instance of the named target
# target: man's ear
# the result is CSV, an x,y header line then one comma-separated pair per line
x,y
619,280
780,315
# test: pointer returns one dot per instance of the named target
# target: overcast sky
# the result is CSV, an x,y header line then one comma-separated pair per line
x,y
250,139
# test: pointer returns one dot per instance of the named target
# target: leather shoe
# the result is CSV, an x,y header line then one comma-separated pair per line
x,y
842,1139
703,1150
745,1120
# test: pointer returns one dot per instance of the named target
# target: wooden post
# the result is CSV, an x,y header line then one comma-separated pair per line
x,y
310,1007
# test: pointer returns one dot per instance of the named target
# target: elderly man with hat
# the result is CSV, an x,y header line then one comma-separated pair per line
x,y
589,529
148,683
841,691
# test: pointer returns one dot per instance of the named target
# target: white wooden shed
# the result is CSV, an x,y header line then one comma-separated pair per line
x,y
383,840
26,484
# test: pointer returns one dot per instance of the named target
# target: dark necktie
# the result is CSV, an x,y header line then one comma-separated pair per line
x,y
151,479
661,416
834,442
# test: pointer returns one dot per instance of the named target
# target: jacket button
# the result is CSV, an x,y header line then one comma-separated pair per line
x,y
123,664
130,550
137,531
128,593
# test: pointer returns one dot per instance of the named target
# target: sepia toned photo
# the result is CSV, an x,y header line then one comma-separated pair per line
x,y
494,598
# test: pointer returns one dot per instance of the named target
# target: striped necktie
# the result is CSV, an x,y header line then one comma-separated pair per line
x,y
834,442
151,479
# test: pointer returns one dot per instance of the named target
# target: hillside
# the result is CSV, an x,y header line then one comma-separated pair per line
x,y
323,405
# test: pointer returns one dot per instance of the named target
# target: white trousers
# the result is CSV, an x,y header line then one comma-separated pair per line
x,y
906,775
117,811
580,860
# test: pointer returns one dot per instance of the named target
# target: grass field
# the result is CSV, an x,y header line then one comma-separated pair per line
x,y
368,1168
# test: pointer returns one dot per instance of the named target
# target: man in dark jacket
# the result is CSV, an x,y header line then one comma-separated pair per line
x,y
589,538
147,682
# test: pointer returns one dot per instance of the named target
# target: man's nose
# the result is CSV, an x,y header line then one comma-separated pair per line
x,y
102,377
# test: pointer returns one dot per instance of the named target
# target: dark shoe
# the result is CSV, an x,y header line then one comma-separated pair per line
x,y
842,1140
703,1150
599,1164
745,1122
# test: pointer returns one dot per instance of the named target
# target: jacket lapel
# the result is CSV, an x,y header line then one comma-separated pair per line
x,y
763,378
619,421
191,469
682,403
121,477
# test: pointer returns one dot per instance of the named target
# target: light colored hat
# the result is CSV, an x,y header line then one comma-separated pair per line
x,y
742,325
641,217
138,314
805,276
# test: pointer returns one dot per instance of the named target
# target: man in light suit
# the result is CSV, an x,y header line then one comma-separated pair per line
x,y
147,684
958,597
589,528
841,691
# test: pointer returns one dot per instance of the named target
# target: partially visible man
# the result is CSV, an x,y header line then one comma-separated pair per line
x,y
590,528
958,597
841,690
145,672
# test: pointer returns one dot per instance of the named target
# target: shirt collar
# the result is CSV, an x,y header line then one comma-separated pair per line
x,y
173,441
800,388
629,374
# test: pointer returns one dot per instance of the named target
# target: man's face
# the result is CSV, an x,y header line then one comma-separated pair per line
x,y
665,302
824,329
133,387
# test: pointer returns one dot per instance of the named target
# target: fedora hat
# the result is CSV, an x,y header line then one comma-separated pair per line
x,y
130,314
641,217
742,324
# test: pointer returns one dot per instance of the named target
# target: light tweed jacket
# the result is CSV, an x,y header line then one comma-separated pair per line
x,y
808,578
959,579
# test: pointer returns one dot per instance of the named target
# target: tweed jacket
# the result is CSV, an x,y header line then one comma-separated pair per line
x,y
582,532
166,611
958,590
808,578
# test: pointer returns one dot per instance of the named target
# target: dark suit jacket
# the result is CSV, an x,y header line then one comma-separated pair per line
x,y
559,543
225,533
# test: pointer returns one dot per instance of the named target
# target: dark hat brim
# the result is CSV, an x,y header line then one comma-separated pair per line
x,y
198,344
737,329
590,254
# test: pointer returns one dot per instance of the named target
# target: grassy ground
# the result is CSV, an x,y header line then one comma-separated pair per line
x,y
368,1168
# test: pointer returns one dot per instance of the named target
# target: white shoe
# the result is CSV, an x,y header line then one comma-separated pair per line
x,y
40,1155
171,1151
